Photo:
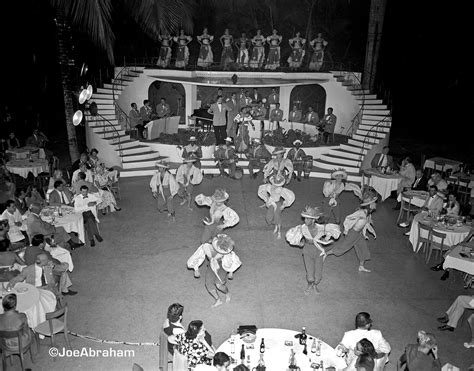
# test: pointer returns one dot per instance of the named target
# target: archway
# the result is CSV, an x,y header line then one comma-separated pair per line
x,y
312,95
173,93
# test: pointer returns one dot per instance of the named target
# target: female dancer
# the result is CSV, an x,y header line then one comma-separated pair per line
x,y
205,53
297,44
318,45
182,56
227,56
242,45
258,51
165,50
273,59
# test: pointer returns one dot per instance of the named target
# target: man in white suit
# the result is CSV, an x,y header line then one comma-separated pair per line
x,y
219,121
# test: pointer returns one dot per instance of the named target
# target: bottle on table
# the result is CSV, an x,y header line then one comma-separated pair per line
x,y
60,211
313,346
318,348
261,362
303,336
321,365
248,360
262,346
305,350
242,354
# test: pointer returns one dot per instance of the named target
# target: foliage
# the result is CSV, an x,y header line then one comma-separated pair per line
x,y
182,138
280,138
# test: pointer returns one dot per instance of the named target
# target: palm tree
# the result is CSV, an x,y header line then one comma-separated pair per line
x,y
94,18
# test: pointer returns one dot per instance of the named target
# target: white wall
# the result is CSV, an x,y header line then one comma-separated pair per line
x,y
107,152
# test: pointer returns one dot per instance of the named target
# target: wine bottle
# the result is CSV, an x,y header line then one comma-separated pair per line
x,y
313,346
242,354
318,348
305,350
262,346
303,336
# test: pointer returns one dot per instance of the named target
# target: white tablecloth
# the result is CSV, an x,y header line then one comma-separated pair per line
x,y
383,184
277,354
453,236
168,125
24,152
455,261
62,255
23,167
70,221
418,197
35,303
446,162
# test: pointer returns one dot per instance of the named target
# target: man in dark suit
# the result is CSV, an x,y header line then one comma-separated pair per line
x,y
382,159
60,195
420,183
256,96
81,182
163,109
219,121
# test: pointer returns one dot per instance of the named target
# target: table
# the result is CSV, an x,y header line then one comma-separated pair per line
x,y
465,184
62,255
277,354
455,261
453,236
70,221
25,152
167,125
34,302
446,162
383,184
24,167
418,197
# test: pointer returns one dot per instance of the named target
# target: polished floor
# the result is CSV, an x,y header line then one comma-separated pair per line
x,y
126,283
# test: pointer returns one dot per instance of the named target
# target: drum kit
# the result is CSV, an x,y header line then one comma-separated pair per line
x,y
307,166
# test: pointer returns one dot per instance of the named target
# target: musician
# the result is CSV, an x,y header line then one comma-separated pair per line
x,y
258,157
225,156
234,106
219,121
295,114
193,149
311,117
163,109
276,115
256,96
328,124
296,155
273,98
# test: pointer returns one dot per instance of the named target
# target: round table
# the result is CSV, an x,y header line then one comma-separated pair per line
x,y
25,152
455,261
454,235
70,221
34,302
24,167
383,184
277,354
418,198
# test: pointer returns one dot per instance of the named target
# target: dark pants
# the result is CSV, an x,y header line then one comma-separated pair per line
x,y
313,263
354,240
140,128
220,132
90,224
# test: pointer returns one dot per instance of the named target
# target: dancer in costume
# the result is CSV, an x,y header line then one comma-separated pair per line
x,y
182,57
243,122
273,59
165,50
332,189
258,157
227,56
276,198
223,262
243,46
225,156
296,155
317,59
193,149
297,51
356,226
205,52
221,215
164,187
258,50
187,176
278,165
312,236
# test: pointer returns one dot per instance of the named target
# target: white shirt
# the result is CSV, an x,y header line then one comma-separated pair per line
x,y
38,274
351,338
416,182
81,203
89,176
382,160
14,234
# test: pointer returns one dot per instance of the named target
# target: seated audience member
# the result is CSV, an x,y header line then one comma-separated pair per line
x,y
20,201
433,204
173,324
57,175
59,268
382,159
83,182
452,206
12,141
86,204
60,195
17,227
422,356
33,195
221,362
420,183
103,183
37,139
365,357
408,173
364,330
437,180
83,160
82,169
194,346
455,312
9,261
12,320
35,225
7,186
94,160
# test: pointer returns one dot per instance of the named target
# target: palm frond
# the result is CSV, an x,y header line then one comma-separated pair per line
x,y
92,17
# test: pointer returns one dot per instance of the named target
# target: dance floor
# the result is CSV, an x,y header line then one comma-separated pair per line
x,y
126,283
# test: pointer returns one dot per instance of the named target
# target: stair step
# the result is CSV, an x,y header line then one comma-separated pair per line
x,y
353,148
340,152
105,91
365,97
149,162
132,74
360,144
360,92
374,117
383,112
336,160
132,157
379,128
386,123
367,102
108,132
124,144
135,149
100,123
373,106
332,166
102,95
102,101
112,87
107,105
113,137
355,87
371,133
105,112
366,139
109,117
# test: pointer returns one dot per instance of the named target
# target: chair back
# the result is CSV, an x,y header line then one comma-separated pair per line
x,y
180,361
11,335
426,230
58,314
437,240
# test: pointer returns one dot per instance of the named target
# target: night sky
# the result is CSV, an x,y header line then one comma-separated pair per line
x,y
424,62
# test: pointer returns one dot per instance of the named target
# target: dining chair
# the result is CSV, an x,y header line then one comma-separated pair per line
x,y
453,183
424,241
437,244
463,190
406,208
115,186
54,325
8,352
440,168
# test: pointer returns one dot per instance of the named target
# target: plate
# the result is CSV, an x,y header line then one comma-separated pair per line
x,y
21,290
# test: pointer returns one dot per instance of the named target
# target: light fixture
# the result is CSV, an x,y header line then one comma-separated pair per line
x,y
77,118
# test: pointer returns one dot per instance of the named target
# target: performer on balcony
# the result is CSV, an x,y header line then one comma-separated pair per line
x,y
258,50
276,115
278,165
187,176
276,198
318,44
295,114
243,123
206,58
258,157
227,56
273,59
296,155
297,44
243,47
193,149
165,50
182,57
225,156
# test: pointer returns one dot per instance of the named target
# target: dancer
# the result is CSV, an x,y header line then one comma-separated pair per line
x,y
278,165
258,50
223,262
182,57
243,122
187,176
312,236
332,189
273,59
317,59
227,56
296,155
193,149
272,194
165,50
242,44
218,211
356,226
205,52
297,51
164,187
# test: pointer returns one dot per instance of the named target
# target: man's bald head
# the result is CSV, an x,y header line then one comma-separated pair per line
x,y
35,207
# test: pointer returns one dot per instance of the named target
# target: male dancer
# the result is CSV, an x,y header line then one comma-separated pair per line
x,y
218,211
278,165
296,155
314,253
164,187
273,194
356,226
223,262
187,176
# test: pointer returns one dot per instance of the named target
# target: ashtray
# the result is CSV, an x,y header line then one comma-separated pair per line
x,y
288,343
248,338
21,290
